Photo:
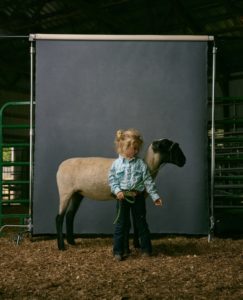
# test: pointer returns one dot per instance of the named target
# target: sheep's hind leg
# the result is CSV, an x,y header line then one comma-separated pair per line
x,y
136,243
71,212
59,224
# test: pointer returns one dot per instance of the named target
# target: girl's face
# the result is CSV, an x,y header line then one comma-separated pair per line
x,y
131,151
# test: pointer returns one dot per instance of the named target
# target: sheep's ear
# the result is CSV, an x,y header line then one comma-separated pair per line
x,y
165,144
161,145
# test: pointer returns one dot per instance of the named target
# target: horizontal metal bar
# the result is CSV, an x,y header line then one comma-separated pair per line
x,y
111,37
229,206
29,226
218,177
6,182
230,197
227,139
229,134
229,154
14,145
229,169
9,164
227,99
229,148
11,126
13,216
228,186
14,202
229,159
13,36
235,132
230,121
233,197
13,103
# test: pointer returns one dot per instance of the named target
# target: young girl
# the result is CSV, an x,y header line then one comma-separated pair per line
x,y
130,174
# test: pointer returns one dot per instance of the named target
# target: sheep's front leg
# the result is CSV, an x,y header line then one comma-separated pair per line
x,y
71,212
59,224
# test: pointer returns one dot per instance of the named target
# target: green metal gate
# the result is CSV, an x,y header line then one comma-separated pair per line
x,y
15,206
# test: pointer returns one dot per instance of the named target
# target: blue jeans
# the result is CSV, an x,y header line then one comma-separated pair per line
x,y
123,225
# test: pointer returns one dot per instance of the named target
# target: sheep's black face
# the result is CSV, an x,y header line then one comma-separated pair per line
x,y
170,152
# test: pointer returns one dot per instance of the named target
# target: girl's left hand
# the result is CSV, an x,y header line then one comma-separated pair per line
x,y
158,202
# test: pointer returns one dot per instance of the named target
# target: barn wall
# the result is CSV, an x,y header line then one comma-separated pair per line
x,y
86,90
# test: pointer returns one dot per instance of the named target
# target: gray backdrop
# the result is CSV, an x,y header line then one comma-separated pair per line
x,y
86,90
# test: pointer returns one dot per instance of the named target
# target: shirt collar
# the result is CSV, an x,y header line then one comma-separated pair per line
x,y
123,159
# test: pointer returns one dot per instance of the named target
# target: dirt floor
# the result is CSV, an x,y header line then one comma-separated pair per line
x,y
181,268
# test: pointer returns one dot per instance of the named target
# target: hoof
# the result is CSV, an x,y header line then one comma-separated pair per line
x,y
71,242
61,246
136,245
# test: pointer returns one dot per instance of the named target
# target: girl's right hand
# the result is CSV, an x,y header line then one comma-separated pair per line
x,y
120,196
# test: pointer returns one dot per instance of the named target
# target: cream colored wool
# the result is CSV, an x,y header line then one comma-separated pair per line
x,y
89,177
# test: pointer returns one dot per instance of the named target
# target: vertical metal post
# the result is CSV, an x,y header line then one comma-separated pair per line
x,y
212,146
32,52
1,166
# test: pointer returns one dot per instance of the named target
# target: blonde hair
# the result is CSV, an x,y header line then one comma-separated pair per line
x,y
127,138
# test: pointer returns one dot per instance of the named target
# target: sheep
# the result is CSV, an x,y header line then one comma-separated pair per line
x,y
88,177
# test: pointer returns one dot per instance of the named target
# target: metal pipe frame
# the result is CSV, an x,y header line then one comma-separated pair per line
x,y
120,37
212,221
32,53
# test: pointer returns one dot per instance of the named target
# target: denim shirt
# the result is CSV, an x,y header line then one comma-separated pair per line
x,y
131,174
